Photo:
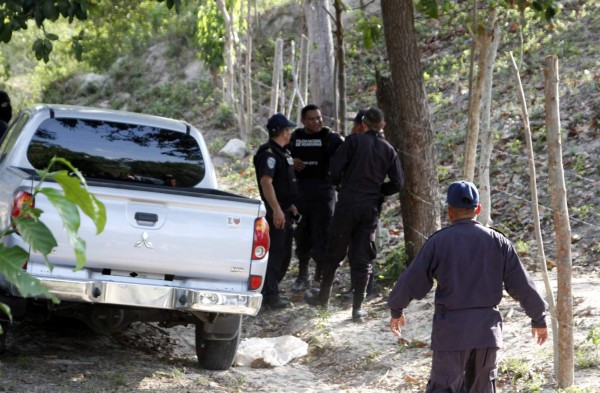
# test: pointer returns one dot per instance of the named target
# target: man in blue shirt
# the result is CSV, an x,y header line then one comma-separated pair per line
x,y
471,264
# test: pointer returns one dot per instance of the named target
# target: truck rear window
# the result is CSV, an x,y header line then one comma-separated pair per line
x,y
106,150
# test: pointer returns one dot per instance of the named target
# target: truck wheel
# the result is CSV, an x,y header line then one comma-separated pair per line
x,y
216,354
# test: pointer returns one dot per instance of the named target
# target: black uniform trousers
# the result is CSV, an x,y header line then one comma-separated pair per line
x,y
468,371
353,225
311,233
280,255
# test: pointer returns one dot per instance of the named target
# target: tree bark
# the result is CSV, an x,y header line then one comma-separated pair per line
x,y
341,67
320,48
303,74
247,98
564,297
486,135
277,64
228,74
474,112
420,196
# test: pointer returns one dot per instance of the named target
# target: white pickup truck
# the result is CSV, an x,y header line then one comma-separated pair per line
x,y
175,249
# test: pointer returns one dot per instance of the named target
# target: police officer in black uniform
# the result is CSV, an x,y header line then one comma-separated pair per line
x,y
277,184
311,147
360,166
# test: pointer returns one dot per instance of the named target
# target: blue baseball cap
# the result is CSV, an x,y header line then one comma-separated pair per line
x,y
463,194
279,122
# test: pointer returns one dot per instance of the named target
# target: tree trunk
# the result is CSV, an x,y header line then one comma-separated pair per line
x,y
320,48
303,75
487,135
564,298
247,98
474,113
536,214
228,74
341,67
277,64
420,196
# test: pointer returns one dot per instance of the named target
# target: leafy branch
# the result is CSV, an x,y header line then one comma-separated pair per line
x,y
26,223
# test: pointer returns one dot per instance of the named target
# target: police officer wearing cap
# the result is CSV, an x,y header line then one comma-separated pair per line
x,y
312,147
277,184
471,264
365,167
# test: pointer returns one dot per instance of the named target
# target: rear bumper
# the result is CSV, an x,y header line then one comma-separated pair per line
x,y
151,296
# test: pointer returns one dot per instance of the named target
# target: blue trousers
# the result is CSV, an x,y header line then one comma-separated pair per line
x,y
468,371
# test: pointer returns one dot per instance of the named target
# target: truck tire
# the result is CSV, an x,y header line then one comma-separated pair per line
x,y
216,354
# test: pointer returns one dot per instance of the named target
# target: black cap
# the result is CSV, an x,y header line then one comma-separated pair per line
x,y
373,116
463,194
279,122
359,116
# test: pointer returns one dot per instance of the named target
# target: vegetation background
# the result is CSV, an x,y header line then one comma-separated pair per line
x,y
143,57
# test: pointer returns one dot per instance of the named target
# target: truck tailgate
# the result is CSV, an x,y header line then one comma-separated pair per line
x,y
170,236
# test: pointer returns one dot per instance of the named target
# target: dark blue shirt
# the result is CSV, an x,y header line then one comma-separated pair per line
x,y
361,165
274,161
471,264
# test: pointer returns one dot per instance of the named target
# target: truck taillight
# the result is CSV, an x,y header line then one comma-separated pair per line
x,y
20,200
255,282
262,242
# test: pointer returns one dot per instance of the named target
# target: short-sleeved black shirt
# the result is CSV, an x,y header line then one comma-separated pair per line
x,y
276,162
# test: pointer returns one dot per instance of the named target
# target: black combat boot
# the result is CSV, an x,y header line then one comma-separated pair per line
x,y
302,281
360,287
321,298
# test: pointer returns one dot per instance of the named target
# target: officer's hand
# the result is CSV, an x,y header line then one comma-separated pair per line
x,y
541,333
298,164
279,218
395,325
293,209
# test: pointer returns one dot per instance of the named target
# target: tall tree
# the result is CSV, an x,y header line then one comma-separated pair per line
x,y
560,214
490,39
340,61
320,48
419,199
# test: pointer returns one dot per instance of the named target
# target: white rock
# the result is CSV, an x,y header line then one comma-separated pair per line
x,y
235,148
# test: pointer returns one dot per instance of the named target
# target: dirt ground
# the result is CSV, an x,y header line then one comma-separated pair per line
x,y
343,356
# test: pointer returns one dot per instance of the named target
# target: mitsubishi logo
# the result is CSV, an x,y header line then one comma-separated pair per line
x,y
144,241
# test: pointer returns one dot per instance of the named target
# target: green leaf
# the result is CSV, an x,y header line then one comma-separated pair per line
x,y
36,234
66,209
70,217
79,195
11,262
6,33
77,49
6,310
50,10
78,245
429,7
51,36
